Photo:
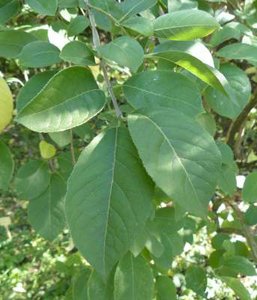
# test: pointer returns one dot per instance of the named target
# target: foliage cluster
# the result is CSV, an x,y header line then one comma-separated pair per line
x,y
144,115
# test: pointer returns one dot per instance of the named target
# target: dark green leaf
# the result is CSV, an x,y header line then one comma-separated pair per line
x,y
124,51
249,192
231,106
43,7
98,289
134,7
239,51
140,25
114,211
239,264
181,157
77,53
196,279
8,9
163,88
251,215
59,106
166,289
133,279
6,166
12,42
78,25
46,213
39,54
32,179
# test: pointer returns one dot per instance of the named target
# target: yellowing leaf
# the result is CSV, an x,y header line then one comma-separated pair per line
x,y
6,104
47,150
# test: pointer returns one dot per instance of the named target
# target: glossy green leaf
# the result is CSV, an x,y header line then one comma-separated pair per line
x,y
206,73
181,157
32,179
6,166
32,88
239,51
46,213
139,25
114,211
43,7
59,106
166,289
196,279
133,279
249,192
124,51
39,54
8,9
185,25
78,25
98,289
77,53
134,7
236,285
231,106
12,42
163,89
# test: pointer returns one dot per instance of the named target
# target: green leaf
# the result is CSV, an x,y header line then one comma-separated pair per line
x,y
113,212
59,106
239,264
181,4
166,289
47,150
251,215
181,157
98,289
206,73
196,279
134,7
239,51
6,166
46,213
43,7
62,138
79,285
133,279
108,8
139,24
6,104
32,179
39,54
32,88
124,51
12,42
227,178
237,287
230,106
185,25
249,192
78,25
77,53
8,9
207,121
163,89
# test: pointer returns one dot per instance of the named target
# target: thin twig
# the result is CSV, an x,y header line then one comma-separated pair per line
x,y
96,42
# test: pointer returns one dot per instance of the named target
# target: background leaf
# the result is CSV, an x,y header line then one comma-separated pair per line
x,y
6,166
